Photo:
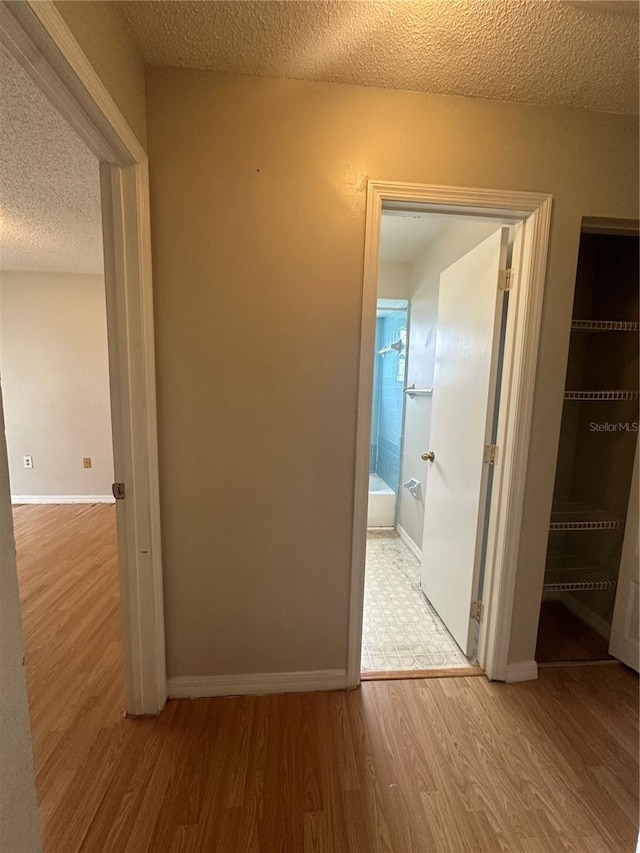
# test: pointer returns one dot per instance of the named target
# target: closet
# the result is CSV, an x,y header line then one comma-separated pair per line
x,y
591,526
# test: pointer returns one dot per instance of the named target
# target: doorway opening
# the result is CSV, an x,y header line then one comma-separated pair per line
x,y
440,320
470,265
43,46
590,601
54,365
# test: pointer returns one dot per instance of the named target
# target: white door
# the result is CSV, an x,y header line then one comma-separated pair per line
x,y
624,642
467,350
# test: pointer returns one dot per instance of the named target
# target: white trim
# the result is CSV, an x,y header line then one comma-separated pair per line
x,y
199,686
132,375
408,541
37,36
514,431
525,670
598,225
533,211
62,499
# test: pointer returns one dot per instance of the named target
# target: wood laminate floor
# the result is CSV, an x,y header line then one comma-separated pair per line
x,y
455,764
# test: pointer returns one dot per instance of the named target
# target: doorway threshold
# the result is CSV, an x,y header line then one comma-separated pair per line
x,y
562,663
406,674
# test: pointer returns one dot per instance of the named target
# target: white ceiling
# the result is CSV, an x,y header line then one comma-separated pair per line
x,y
403,236
578,53
50,219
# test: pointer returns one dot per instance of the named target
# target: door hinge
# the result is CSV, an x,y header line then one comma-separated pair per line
x,y
490,454
504,279
476,611
118,491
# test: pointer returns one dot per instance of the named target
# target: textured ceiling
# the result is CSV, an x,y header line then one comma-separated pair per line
x,y
574,53
50,216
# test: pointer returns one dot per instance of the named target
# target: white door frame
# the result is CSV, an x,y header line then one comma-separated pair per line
x,y
533,210
37,36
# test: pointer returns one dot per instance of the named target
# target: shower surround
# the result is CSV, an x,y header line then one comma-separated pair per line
x,y
387,412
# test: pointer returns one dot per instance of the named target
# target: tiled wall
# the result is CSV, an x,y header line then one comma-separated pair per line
x,y
388,400
375,404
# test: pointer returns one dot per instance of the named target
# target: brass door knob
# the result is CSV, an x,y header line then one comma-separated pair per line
x,y
429,456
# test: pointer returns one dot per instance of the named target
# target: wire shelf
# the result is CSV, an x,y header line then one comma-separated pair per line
x,y
604,326
581,517
600,395
576,579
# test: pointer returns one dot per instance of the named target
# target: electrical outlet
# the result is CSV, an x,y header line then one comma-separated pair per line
x,y
27,461
87,462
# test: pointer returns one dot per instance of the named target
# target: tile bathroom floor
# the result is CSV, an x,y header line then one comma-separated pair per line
x,y
401,629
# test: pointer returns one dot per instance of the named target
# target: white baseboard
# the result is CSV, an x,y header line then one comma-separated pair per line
x,y
408,541
62,499
198,686
524,670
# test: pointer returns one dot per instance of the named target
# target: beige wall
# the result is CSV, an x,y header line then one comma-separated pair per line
x,y
55,376
103,34
394,279
457,238
258,205
19,820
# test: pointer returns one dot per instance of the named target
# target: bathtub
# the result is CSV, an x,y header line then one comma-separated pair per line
x,y
382,503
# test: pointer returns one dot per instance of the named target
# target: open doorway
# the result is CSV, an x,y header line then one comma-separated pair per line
x,y
42,45
54,366
440,320
590,602
470,355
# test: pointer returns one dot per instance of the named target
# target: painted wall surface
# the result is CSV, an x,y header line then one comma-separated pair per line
x,y
258,190
19,819
103,34
55,375
394,279
459,237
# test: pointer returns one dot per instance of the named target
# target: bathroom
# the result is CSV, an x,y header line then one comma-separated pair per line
x,y
402,629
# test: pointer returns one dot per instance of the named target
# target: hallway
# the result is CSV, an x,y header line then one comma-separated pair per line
x,y
415,766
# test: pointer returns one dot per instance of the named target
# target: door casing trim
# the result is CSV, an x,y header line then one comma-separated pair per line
x,y
533,211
